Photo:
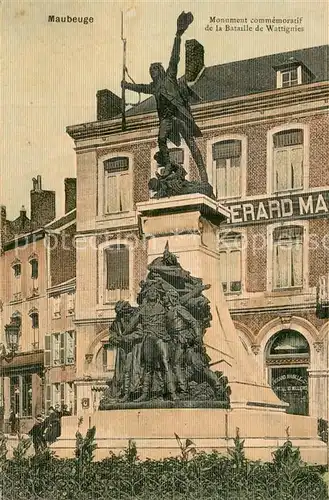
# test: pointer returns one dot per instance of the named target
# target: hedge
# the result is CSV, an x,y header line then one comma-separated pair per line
x,y
191,476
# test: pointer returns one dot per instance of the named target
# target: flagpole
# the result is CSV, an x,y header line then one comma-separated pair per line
x,y
123,92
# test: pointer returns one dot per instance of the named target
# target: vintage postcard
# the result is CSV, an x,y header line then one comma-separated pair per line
x,y
164,250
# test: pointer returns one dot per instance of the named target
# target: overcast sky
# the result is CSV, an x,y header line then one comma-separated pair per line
x,y
51,72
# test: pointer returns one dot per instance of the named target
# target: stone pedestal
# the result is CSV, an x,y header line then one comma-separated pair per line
x,y
153,431
190,224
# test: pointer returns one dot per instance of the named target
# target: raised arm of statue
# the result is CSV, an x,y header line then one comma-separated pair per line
x,y
183,22
144,88
174,58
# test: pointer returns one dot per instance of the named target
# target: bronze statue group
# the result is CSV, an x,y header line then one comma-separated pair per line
x,y
160,353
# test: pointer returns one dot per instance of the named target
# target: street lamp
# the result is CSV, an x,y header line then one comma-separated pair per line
x,y
12,334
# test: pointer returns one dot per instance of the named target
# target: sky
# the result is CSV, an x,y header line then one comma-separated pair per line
x,y
50,72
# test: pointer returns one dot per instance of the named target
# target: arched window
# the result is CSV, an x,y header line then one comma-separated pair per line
x,y
288,159
287,359
117,185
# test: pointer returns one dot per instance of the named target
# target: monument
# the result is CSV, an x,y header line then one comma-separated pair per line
x,y
180,365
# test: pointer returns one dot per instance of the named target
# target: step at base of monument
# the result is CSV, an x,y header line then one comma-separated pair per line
x,y
153,431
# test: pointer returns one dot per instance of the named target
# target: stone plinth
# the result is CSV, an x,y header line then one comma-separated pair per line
x,y
190,224
210,429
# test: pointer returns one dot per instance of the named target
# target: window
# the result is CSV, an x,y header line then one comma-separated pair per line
x,y
288,257
61,394
176,155
230,262
16,280
60,349
288,156
287,359
57,306
106,359
34,268
117,273
21,394
117,185
289,78
226,157
70,303
69,348
17,268
34,315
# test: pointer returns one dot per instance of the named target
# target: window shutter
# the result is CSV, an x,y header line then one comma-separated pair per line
x,y
221,178
62,348
288,138
234,177
47,353
69,348
296,162
125,192
48,397
223,269
117,268
62,394
281,170
111,194
226,149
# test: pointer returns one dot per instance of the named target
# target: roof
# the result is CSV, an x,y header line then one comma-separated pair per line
x,y
63,220
250,76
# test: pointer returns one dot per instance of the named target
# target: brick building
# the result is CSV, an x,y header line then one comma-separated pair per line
x,y
32,259
265,141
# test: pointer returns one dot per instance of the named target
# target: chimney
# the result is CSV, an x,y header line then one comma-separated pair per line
x,y
108,105
194,59
70,184
43,205
3,222
22,218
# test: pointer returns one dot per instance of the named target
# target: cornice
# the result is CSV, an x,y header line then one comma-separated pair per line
x,y
259,102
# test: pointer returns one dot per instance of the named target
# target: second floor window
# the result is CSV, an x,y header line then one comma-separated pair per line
x,y
288,156
16,280
116,273
34,269
288,257
60,349
230,262
227,168
34,319
117,185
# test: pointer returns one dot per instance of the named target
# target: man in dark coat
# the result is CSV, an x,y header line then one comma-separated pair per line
x,y
37,434
172,100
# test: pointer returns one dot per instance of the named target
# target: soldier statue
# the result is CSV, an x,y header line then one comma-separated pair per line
x,y
172,99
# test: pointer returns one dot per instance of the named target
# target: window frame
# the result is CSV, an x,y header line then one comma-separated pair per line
x,y
271,185
172,146
211,167
102,271
303,224
288,69
232,235
101,196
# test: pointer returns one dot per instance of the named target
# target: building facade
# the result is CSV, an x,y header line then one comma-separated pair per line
x,y
28,255
265,142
